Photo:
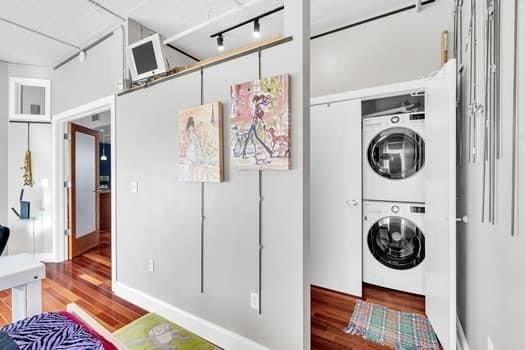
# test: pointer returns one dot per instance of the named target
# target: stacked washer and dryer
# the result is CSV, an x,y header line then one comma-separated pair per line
x,y
393,192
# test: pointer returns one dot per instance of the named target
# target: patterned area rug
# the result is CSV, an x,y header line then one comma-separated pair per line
x,y
399,330
152,332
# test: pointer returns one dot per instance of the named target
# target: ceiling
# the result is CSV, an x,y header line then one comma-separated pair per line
x,y
77,23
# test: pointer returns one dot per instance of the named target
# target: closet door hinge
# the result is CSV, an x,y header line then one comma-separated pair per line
x,y
66,232
66,136
67,184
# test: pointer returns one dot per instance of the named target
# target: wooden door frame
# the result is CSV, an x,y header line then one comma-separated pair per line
x,y
84,243
59,124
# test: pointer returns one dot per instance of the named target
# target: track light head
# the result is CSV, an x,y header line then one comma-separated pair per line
x,y
220,43
256,29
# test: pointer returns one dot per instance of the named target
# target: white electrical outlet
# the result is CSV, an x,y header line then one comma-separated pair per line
x,y
254,301
151,265
134,186
490,344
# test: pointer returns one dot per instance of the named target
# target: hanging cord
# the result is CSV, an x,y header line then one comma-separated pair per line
x,y
260,212
202,199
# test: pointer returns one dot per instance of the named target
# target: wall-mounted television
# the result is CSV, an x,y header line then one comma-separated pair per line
x,y
146,58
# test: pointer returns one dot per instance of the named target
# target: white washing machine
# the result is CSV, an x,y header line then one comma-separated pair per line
x,y
394,245
394,157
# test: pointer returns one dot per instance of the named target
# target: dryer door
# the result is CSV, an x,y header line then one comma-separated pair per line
x,y
396,153
397,243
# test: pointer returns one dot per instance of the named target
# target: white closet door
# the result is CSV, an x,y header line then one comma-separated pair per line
x,y
336,193
440,196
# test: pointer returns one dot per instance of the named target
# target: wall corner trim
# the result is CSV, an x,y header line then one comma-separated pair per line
x,y
203,328
461,340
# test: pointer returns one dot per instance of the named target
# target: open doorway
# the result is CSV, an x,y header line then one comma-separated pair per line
x,y
84,220
89,196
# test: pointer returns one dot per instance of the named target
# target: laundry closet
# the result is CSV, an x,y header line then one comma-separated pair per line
x,y
383,184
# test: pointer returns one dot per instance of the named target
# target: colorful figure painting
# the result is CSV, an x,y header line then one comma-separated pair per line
x,y
260,124
200,138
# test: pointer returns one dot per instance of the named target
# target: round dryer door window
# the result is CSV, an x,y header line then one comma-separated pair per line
x,y
397,243
397,153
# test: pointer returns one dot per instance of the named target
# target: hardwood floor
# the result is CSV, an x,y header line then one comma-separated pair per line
x,y
331,313
86,281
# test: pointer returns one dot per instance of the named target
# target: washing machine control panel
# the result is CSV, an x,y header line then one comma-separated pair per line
x,y
417,209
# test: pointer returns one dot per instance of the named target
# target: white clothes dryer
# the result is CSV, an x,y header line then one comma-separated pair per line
x,y
394,157
394,245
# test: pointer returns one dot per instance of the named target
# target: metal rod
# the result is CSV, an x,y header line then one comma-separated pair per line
x,y
515,126
202,200
90,46
497,78
34,31
182,52
371,19
259,57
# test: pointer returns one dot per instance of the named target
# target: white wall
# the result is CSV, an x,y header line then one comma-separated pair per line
x,y
491,281
162,220
75,83
21,232
4,82
39,195
401,47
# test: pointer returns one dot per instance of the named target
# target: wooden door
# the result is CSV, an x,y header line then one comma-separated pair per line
x,y
440,197
336,197
83,193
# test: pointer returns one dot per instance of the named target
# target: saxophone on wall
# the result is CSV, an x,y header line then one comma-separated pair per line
x,y
28,170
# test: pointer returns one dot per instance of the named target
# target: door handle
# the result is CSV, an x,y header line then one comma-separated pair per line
x,y
352,203
463,219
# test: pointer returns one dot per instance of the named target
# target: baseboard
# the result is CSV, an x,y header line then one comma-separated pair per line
x,y
46,257
461,339
205,329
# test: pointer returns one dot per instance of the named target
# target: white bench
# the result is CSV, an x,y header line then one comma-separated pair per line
x,y
23,274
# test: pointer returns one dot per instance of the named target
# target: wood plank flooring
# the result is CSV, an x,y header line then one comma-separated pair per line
x,y
331,313
86,281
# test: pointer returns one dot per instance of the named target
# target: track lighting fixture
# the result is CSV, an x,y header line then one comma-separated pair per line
x,y
256,29
220,43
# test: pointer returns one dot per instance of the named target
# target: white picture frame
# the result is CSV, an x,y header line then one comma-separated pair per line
x,y
15,94
159,57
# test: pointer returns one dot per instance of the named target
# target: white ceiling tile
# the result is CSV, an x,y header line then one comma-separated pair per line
x,y
79,22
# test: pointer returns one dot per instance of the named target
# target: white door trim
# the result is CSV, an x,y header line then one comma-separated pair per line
x,y
59,122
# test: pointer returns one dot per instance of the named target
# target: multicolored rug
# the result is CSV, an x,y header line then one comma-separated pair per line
x,y
399,330
154,332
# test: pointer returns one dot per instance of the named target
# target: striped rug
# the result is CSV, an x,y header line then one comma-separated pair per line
x,y
399,330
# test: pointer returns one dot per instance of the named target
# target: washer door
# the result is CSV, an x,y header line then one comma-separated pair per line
x,y
396,153
397,243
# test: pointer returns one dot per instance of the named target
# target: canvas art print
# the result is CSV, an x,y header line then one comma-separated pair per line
x,y
200,144
260,124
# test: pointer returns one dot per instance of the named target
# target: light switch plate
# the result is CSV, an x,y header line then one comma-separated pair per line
x,y
254,301
134,186
151,265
